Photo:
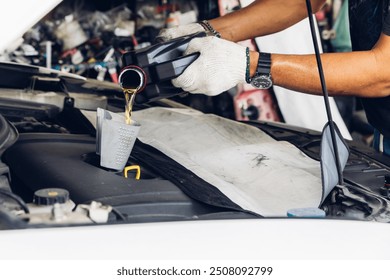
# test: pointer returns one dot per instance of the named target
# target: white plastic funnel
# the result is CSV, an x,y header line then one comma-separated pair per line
x,y
114,139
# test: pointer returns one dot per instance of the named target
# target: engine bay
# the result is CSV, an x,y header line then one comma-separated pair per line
x,y
48,144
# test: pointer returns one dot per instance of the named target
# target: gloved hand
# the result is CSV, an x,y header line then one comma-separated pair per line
x,y
167,34
220,66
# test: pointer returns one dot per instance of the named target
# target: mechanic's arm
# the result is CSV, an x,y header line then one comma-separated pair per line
x,y
262,17
365,73
222,65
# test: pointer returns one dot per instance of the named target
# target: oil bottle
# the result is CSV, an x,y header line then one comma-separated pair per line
x,y
159,64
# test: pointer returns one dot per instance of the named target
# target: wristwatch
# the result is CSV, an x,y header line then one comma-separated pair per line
x,y
262,78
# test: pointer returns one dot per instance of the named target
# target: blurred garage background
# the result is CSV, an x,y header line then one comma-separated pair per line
x,y
88,38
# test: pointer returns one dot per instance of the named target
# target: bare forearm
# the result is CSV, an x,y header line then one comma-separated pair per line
x,y
345,74
364,73
262,17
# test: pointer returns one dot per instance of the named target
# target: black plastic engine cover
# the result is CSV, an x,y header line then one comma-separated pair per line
x,y
67,161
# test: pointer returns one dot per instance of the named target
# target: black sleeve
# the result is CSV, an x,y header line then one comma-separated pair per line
x,y
386,25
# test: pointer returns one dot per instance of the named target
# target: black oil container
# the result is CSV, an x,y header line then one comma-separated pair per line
x,y
160,63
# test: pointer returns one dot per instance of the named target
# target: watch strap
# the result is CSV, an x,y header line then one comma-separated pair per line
x,y
248,78
264,64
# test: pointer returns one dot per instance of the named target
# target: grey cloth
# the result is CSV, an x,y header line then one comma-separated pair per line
x,y
252,169
329,172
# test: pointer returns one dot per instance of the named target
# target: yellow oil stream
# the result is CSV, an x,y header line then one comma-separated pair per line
x,y
130,98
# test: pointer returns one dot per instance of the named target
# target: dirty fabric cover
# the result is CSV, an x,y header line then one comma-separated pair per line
x,y
253,170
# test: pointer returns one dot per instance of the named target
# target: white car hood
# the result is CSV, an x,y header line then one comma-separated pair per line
x,y
18,16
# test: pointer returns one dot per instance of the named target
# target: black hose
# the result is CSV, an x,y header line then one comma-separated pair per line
x,y
8,221
119,216
17,199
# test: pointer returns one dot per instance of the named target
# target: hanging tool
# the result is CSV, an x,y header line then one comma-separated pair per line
x,y
334,150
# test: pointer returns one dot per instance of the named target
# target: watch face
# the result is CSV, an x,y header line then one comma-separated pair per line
x,y
262,82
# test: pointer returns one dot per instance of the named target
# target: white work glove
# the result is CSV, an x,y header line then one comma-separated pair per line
x,y
167,34
220,66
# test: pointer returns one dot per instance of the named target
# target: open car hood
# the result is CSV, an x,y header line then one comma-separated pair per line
x,y
12,27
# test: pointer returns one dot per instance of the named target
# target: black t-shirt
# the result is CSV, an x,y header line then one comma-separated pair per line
x,y
368,18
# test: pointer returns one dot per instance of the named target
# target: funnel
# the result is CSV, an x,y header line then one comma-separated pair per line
x,y
114,139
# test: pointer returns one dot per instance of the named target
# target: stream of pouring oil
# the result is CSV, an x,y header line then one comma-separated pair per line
x,y
130,98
